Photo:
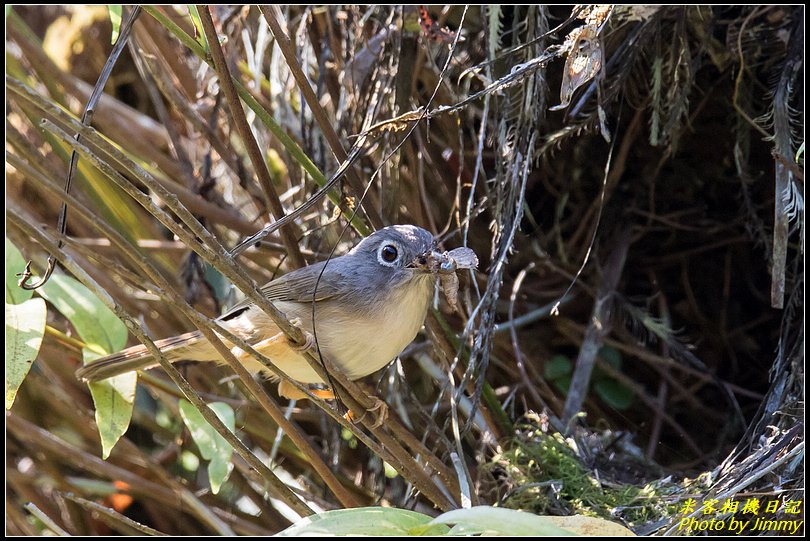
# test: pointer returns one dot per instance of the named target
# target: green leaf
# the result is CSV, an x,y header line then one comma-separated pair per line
x,y
612,356
195,19
114,398
213,447
96,324
25,325
115,19
557,367
365,521
558,370
390,471
14,263
189,461
487,520
429,530
562,384
616,394
103,333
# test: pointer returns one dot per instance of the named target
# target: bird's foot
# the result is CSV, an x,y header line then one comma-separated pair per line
x,y
379,410
309,338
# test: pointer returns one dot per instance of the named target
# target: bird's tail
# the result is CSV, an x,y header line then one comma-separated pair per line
x,y
190,345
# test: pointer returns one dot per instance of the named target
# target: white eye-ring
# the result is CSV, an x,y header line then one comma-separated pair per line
x,y
389,253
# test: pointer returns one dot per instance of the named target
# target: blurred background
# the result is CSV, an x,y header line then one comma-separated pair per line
x,y
631,179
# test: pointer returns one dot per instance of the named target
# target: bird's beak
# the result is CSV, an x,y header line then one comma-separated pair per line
x,y
427,262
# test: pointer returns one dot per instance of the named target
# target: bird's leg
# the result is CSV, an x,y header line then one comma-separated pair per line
x,y
323,394
277,344
381,409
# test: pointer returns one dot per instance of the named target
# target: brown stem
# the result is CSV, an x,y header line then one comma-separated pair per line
x,y
279,488
114,519
98,151
289,234
202,323
272,15
42,440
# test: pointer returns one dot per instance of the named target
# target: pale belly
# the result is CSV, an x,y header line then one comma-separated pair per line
x,y
360,344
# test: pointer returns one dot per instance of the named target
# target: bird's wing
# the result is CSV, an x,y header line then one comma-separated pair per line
x,y
298,286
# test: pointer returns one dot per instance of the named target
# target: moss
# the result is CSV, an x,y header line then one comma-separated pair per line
x,y
541,472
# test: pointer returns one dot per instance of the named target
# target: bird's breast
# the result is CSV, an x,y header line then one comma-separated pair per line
x,y
362,339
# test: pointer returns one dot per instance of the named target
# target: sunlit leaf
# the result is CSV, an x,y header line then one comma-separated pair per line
x,y
591,526
365,521
498,521
115,19
195,18
390,471
25,325
213,447
103,333
14,263
114,398
96,324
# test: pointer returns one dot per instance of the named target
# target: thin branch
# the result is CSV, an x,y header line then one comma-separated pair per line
x,y
279,488
289,234
204,324
272,15
114,519
209,248
292,147
87,119
181,499
48,521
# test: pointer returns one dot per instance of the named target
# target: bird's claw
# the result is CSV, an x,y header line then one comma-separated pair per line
x,y
381,413
309,338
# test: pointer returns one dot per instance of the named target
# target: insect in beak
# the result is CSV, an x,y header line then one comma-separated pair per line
x,y
445,265
436,262
428,262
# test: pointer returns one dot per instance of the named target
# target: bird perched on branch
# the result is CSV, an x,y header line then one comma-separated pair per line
x,y
360,310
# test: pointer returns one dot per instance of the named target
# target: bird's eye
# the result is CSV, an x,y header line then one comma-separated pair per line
x,y
389,253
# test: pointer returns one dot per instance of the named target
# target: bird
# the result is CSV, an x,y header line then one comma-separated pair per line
x,y
362,309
